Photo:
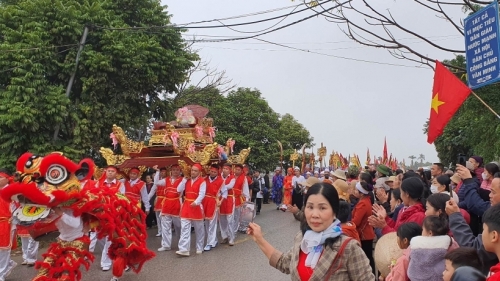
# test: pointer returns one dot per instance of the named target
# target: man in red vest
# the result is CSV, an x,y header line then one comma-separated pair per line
x,y
241,194
192,212
226,211
159,192
136,189
168,189
108,180
210,206
7,231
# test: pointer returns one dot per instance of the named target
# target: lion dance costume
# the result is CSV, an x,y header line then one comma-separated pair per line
x,y
54,181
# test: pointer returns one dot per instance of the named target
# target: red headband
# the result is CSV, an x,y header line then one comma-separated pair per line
x,y
214,169
198,166
111,167
134,170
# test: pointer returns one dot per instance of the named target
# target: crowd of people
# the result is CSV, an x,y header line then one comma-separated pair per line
x,y
446,222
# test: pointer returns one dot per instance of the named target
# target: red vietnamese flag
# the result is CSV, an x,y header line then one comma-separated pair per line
x,y
448,94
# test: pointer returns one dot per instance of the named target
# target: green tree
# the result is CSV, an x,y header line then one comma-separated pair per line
x,y
293,135
120,79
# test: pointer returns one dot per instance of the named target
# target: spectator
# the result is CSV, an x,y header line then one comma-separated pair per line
x,y
460,257
475,164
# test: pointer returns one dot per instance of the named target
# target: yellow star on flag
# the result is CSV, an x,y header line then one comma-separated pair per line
x,y
436,103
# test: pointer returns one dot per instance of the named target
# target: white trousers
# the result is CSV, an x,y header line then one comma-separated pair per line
x,y
226,227
211,229
185,239
159,223
30,249
6,264
104,243
166,229
236,219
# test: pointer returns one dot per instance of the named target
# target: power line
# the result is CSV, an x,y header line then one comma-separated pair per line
x,y
215,26
245,15
338,57
36,48
31,62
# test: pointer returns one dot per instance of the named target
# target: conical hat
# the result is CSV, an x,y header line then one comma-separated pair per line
x,y
386,250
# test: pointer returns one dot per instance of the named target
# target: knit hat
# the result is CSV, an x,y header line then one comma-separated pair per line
x,y
467,273
478,159
383,169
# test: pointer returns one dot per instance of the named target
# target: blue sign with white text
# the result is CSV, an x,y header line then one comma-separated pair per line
x,y
482,46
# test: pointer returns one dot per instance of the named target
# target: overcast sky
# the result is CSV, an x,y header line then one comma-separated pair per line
x,y
348,105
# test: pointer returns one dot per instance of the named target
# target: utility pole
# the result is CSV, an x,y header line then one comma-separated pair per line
x,y
80,49
73,75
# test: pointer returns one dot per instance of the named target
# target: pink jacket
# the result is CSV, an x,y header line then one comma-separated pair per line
x,y
400,270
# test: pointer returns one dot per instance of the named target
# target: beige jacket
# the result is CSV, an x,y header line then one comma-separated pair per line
x,y
352,266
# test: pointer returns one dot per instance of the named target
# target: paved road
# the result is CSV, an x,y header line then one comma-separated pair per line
x,y
244,261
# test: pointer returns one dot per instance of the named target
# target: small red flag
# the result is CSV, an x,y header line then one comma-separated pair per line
x,y
384,157
448,94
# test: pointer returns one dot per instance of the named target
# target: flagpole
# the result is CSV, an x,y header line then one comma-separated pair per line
x,y
487,106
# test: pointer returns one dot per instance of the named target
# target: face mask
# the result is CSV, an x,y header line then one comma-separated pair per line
x,y
434,189
485,176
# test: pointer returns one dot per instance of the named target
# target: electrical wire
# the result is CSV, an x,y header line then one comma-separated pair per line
x,y
215,26
338,57
31,62
36,48
245,15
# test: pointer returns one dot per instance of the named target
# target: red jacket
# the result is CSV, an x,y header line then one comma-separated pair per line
x,y
360,215
415,213
495,273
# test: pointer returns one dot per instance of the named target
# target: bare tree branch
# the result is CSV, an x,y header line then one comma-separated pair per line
x,y
211,77
377,27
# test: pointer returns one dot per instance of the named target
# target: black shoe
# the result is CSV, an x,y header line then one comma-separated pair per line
x,y
277,208
258,213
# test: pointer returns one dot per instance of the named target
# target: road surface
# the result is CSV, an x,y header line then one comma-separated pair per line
x,y
243,261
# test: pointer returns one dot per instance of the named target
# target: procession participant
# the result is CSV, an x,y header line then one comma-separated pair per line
x,y
151,217
192,212
277,192
28,245
210,204
135,189
288,187
159,192
241,194
170,200
326,177
227,206
7,231
108,180
297,197
316,174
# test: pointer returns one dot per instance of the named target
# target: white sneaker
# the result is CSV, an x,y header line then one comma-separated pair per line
x,y
163,249
106,268
199,252
127,268
114,278
207,248
231,243
158,235
183,253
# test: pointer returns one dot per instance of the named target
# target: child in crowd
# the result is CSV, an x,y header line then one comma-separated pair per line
x,y
460,257
405,234
428,251
348,228
491,237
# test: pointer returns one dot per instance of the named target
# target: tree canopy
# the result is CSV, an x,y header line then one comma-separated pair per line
x,y
121,77
245,116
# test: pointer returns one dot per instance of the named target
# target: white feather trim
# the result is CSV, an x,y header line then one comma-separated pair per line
x,y
431,242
